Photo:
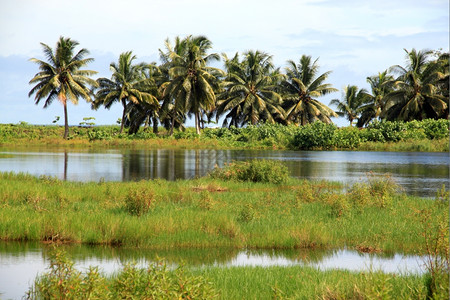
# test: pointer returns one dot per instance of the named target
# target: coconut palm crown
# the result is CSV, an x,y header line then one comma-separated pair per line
x,y
416,94
128,85
61,77
249,94
300,88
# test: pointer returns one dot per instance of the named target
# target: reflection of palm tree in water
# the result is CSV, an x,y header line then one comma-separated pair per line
x,y
66,159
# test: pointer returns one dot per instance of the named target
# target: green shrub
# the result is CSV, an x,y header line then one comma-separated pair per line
x,y
317,135
392,131
98,134
267,171
188,133
436,129
347,138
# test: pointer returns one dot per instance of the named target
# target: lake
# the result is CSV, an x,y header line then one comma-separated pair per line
x,y
21,262
418,173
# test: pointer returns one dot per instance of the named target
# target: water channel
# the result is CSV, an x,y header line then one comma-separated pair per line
x,y
418,174
21,262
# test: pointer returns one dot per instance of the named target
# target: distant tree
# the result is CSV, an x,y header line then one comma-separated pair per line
x,y
192,81
352,103
127,85
61,78
249,94
416,94
300,88
376,100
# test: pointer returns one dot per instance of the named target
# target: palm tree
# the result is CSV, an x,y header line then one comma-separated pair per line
x,y
376,100
301,86
61,76
416,93
192,81
352,102
127,84
249,91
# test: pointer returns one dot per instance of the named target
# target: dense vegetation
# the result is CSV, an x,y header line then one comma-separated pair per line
x,y
63,281
369,216
427,135
210,213
250,91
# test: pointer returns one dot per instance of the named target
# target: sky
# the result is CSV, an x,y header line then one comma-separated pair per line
x,y
352,38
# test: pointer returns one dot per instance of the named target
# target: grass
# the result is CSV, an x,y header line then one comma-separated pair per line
x,y
212,213
309,283
157,281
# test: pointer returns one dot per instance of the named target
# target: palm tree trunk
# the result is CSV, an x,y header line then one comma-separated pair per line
x,y
147,121
155,125
197,123
123,116
66,122
172,126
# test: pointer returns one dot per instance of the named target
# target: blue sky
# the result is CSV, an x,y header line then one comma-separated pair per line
x,y
353,38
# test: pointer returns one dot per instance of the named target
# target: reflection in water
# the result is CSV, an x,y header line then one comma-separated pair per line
x,y
420,174
21,262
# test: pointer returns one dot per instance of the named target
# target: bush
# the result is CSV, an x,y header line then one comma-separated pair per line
x,y
98,134
436,129
317,135
188,133
348,137
267,171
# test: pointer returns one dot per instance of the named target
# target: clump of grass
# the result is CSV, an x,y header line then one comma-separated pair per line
x,y
377,191
246,214
63,281
139,201
266,171
206,201
437,258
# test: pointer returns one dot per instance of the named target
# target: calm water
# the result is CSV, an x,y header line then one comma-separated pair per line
x,y
418,173
21,262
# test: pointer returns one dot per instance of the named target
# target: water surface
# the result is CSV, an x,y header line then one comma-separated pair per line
x,y
21,262
418,173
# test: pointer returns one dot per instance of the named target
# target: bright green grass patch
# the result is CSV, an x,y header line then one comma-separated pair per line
x,y
157,281
308,283
208,213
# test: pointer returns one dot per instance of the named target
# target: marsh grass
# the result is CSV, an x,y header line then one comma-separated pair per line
x,y
158,281
310,283
207,212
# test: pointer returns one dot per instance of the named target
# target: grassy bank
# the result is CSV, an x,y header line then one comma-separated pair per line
x,y
157,281
211,213
427,135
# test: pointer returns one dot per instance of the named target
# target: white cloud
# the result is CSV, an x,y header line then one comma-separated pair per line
x,y
353,38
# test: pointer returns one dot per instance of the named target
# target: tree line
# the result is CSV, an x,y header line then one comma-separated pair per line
x,y
249,90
